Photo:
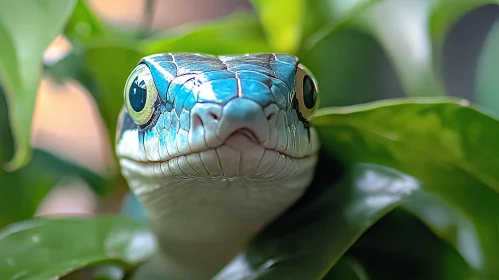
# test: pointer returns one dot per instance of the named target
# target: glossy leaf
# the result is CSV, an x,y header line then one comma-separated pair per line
x,y
26,29
240,33
487,88
50,248
310,238
445,143
282,21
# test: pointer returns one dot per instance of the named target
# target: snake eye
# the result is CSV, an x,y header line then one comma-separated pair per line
x,y
306,93
140,95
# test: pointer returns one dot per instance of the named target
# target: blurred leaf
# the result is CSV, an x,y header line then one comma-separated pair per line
x,y
72,67
110,66
83,25
47,163
330,16
147,17
239,33
487,82
449,146
346,269
109,272
6,141
17,201
22,191
26,29
444,14
413,40
50,248
310,238
406,39
282,21
350,68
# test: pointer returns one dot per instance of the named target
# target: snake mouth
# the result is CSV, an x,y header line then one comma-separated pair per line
x,y
221,163
218,165
242,140
244,132
166,160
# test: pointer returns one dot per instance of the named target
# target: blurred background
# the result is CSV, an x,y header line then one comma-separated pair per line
x,y
359,54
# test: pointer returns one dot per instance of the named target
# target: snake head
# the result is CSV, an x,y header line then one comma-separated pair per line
x,y
216,147
241,113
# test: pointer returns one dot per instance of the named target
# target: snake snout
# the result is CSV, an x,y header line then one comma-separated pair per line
x,y
244,118
241,124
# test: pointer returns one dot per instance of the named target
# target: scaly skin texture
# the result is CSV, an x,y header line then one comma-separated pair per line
x,y
221,148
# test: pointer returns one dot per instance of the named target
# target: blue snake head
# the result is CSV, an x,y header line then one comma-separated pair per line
x,y
216,147
180,105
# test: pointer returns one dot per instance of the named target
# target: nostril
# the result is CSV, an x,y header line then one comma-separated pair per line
x,y
213,116
271,116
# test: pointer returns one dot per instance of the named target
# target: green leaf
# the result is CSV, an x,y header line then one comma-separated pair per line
x,y
109,67
444,14
310,238
449,146
399,246
457,227
347,66
26,29
487,85
331,16
239,33
72,67
22,190
411,32
109,272
402,30
83,25
347,269
50,248
282,21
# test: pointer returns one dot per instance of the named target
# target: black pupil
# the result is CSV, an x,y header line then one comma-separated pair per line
x,y
309,92
137,95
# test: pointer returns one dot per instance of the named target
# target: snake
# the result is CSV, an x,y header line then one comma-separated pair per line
x,y
215,148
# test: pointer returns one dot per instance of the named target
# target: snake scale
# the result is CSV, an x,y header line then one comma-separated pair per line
x,y
215,148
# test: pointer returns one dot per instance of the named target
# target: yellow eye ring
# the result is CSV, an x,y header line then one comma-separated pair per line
x,y
140,94
306,92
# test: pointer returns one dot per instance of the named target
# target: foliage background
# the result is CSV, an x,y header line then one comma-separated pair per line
x,y
410,194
